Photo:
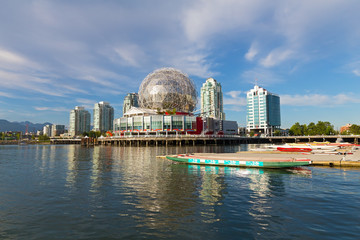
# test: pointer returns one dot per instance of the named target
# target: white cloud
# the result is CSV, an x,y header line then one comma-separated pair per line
x,y
356,72
318,100
111,46
234,94
8,95
234,99
252,52
204,18
263,77
276,57
87,103
55,109
190,61
131,54
10,57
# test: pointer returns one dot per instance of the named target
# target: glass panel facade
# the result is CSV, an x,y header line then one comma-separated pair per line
x,y
157,122
138,123
147,122
167,123
123,123
177,122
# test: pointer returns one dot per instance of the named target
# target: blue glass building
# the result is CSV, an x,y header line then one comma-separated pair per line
x,y
263,111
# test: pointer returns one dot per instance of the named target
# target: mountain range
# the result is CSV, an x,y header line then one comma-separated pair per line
x,y
6,126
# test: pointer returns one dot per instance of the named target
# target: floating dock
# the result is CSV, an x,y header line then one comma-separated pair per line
x,y
346,160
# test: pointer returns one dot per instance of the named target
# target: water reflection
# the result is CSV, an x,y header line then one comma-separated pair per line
x,y
150,185
71,166
101,163
261,185
157,194
78,165
133,194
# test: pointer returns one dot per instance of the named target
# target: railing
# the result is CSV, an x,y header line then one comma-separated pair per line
x,y
170,136
317,136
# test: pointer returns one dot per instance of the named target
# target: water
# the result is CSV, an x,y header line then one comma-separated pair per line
x,y
73,192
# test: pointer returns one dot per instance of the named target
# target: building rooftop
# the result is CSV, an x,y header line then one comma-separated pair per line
x,y
135,111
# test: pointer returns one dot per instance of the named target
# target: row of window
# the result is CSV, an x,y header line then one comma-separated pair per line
x,y
155,122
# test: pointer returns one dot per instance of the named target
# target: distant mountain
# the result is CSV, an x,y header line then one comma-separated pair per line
x,y
6,126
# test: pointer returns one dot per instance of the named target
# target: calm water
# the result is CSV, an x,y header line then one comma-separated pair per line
x,y
73,192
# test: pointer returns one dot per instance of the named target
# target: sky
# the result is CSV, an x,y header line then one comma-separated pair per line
x,y
55,55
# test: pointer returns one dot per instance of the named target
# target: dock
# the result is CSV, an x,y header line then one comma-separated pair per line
x,y
347,160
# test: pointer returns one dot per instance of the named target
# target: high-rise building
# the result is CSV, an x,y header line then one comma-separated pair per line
x,y
57,129
263,111
130,100
212,100
79,121
47,130
103,117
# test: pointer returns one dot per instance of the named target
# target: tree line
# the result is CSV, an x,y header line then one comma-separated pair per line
x,y
321,128
353,129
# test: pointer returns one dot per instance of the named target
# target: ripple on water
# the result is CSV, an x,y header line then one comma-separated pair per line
x,y
106,192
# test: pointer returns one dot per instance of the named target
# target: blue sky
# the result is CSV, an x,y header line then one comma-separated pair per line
x,y
55,55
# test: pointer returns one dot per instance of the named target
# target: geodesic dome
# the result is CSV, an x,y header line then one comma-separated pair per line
x,y
168,88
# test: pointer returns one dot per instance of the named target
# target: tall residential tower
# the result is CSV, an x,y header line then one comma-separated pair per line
x,y
263,111
103,117
79,121
130,100
212,100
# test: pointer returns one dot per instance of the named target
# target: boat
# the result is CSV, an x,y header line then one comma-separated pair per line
x,y
294,149
221,160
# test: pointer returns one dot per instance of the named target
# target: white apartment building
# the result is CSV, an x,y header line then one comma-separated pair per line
x,y
212,100
47,130
79,121
263,111
103,117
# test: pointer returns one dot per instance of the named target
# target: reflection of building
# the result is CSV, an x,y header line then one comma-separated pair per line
x,y
131,100
103,117
79,121
263,111
56,130
212,100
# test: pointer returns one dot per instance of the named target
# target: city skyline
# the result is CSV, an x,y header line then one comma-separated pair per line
x,y
58,55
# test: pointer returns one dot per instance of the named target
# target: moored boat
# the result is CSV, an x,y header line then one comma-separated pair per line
x,y
294,149
240,161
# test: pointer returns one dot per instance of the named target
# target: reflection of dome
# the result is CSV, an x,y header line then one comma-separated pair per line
x,y
168,88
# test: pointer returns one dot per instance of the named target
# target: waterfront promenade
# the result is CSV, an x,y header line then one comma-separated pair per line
x,y
180,140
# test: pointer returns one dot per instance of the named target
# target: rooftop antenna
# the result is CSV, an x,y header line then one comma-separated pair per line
x,y
256,81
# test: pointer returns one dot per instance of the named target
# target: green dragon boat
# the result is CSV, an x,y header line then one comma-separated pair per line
x,y
240,161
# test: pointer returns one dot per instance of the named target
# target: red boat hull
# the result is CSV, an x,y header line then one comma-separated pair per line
x,y
294,149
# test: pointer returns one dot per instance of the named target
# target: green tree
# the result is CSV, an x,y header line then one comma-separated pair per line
x,y
44,138
354,129
296,130
94,134
304,130
277,133
311,129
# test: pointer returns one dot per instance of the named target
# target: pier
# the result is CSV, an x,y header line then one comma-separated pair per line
x,y
180,140
193,140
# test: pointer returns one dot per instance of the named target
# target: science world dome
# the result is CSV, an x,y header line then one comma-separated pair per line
x,y
168,88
